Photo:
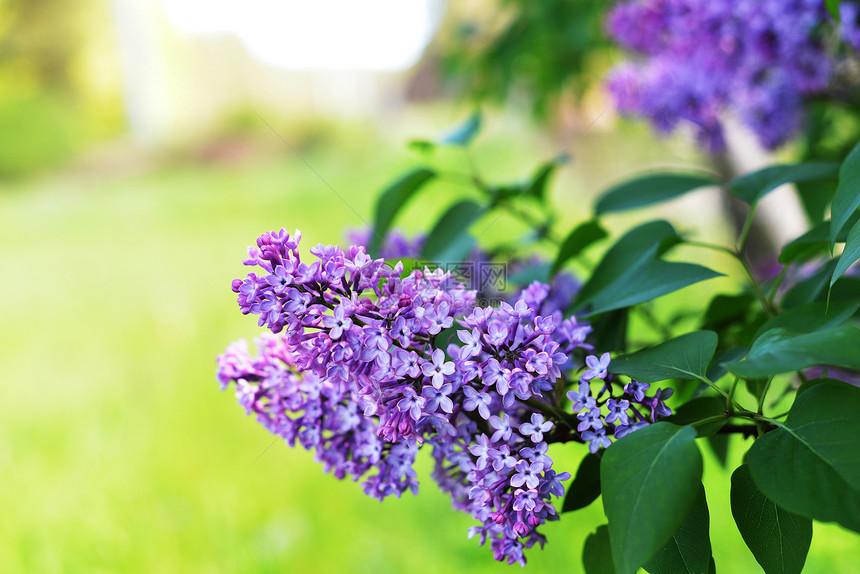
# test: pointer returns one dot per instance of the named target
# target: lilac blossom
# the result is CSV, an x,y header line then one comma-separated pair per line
x,y
701,60
352,371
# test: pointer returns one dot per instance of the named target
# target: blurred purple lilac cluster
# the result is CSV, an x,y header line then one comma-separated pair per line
x,y
364,366
702,59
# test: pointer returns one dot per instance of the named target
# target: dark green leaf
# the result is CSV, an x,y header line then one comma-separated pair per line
x,y
463,134
689,549
815,197
609,331
633,248
699,409
724,309
812,317
536,187
585,487
719,444
449,240
782,351
596,554
650,189
778,539
815,242
850,255
392,200
811,464
811,289
630,273
650,479
847,196
753,186
647,281
577,240
686,357
833,8
717,371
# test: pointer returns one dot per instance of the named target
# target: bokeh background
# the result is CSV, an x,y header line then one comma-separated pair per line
x,y
143,145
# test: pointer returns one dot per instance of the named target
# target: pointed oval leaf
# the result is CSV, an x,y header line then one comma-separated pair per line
x,y
811,464
650,189
812,317
850,255
463,134
449,240
778,539
576,241
596,555
753,186
685,357
650,479
689,549
815,242
636,246
585,487
392,200
647,281
782,351
811,289
847,196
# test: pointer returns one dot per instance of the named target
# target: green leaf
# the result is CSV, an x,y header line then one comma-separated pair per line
x,y
536,187
576,241
782,351
811,464
650,479
650,189
596,554
811,289
812,317
778,539
698,409
753,186
449,240
730,355
833,8
463,134
719,444
648,281
689,549
609,331
585,487
849,255
392,200
636,245
725,309
847,196
630,272
815,242
686,357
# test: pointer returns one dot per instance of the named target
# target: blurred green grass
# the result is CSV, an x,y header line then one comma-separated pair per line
x,y
118,453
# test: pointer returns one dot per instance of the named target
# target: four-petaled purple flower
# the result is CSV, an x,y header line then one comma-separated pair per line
x,y
438,368
597,368
536,428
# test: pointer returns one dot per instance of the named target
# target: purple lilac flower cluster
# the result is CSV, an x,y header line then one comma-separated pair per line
x,y
608,413
756,59
364,367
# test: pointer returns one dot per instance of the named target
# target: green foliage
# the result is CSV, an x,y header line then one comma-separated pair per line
x,y
778,539
596,552
580,238
449,239
810,465
650,480
689,549
392,200
752,187
685,357
847,196
585,487
649,190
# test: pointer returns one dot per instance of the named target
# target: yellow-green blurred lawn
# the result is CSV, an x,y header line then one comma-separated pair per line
x,y
117,451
